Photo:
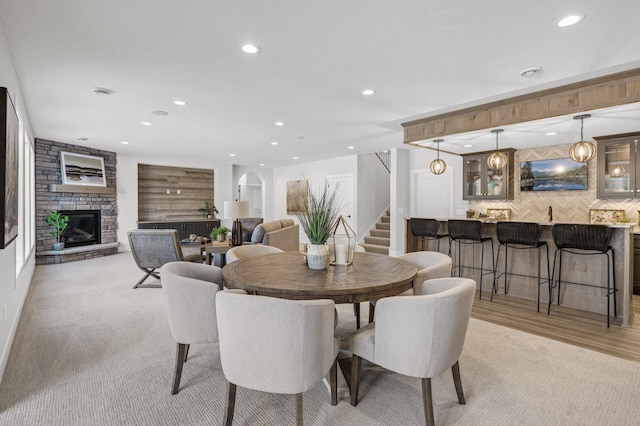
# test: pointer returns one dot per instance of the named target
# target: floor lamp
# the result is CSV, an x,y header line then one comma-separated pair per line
x,y
236,210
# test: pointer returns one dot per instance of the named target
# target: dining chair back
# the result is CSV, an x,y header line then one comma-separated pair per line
x,y
190,291
276,345
406,327
247,251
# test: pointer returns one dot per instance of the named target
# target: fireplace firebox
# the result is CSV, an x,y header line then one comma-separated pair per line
x,y
84,228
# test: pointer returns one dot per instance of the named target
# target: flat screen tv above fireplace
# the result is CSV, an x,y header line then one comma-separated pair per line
x,y
84,228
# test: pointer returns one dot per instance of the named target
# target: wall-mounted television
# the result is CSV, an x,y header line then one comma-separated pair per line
x,y
560,174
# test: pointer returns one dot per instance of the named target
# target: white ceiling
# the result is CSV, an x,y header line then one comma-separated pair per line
x,y
421,57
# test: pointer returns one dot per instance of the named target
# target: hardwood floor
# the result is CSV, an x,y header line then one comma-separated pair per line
x,y
575,327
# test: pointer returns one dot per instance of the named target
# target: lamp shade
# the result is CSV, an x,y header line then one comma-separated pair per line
x,y
236,209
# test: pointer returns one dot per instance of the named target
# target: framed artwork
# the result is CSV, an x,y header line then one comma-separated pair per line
x,y
297,195
9,133
80,169
561,174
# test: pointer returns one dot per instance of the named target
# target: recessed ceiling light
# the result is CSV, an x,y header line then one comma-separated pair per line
x,y
274,143
530,72
159,112
467,145
146,123
179,103
232,155
82,138
351,147
368,92
124,143
569,20
250,48
101,91
295,158
261,164
551,133
279,123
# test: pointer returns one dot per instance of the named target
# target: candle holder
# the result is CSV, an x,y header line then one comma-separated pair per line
x,y
342,243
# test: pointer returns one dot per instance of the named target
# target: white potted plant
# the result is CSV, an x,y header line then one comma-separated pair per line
x,y
321,212
59,222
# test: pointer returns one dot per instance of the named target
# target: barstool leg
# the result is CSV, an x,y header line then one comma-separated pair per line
x,y
613,273
494,289
506,255
482,267
559,276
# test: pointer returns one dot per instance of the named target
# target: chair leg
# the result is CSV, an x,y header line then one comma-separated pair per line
x,y
333,381
186,353
299,416
181,354
494,289
355,378
427,401
148,273
455,370
231,404
356,312
372,310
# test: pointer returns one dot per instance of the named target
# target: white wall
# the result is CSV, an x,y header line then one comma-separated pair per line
x,y
266,176
399,198
373,192
127,184
14,285
316,173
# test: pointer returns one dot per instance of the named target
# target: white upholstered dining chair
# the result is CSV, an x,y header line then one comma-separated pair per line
x,y
430,264
249,250
418,336
190,291
276,345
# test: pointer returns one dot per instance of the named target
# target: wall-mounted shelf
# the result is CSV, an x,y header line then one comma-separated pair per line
x,y
54,187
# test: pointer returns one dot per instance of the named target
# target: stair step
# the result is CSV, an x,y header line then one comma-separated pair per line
x,y
384,233
385,219
385,242
372,248
385,226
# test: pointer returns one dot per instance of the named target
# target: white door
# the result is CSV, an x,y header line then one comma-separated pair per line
x,y
345,195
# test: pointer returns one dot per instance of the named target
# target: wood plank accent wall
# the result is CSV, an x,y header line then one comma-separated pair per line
x,y
606,91
196,187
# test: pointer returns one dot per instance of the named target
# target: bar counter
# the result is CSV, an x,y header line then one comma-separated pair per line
x,y
577,269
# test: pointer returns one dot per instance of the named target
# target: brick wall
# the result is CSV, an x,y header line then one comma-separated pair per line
x,y
48,172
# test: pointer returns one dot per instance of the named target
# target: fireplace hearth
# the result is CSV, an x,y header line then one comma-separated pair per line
x,y
84,228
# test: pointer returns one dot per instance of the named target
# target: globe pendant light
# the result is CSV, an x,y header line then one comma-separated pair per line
x,y
438,166
582,151
617,171
497,160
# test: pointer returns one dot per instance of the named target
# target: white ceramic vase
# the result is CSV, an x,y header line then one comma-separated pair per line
x,y
317,256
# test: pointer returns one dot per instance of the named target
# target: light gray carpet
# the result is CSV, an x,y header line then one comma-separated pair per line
x,y
89,350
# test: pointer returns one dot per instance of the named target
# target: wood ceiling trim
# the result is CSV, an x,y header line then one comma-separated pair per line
x,y
601,92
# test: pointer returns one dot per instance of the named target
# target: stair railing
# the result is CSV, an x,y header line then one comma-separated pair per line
x,y
385,159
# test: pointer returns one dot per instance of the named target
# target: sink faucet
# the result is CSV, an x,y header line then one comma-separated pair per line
x,y
550,214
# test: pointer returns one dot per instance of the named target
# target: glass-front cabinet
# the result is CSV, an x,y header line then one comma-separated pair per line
x,y
618,166
483,183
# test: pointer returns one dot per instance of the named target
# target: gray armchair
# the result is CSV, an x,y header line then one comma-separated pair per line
x,y
152,248
418,336
276,345
190,291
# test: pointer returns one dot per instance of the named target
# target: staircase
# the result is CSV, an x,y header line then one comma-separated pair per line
x,y
380,237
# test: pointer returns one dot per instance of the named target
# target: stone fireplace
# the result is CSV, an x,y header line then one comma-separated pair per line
x,y
92,211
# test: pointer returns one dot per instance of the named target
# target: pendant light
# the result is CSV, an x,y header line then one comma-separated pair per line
x,y
438,166
582,151
617,171
497,160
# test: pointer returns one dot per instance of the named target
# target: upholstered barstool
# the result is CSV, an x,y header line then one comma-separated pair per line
x,y
584,240
469,232
428,229
521,236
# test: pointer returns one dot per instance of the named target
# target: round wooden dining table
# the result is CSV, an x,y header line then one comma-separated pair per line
x,y
286,275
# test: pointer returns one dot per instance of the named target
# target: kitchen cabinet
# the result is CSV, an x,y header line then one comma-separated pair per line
x,y
482,183
618,166
201,228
